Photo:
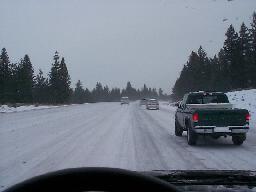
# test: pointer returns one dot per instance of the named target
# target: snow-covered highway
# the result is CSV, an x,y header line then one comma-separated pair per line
x,y
109,135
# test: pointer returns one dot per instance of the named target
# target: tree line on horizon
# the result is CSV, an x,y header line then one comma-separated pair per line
x,y
234,67
19,84
104,94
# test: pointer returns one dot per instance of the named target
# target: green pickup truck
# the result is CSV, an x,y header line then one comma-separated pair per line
x,y
210,113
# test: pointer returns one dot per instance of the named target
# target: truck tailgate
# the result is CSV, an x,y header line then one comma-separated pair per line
x,y
222,117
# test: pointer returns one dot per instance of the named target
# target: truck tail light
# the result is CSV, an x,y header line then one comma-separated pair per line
x,y
247,117
195,117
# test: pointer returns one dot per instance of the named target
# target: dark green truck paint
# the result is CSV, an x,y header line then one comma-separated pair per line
x,y
213,122
221,117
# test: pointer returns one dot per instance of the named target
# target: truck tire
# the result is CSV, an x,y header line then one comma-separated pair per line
x,y
178,129
238,139
191,136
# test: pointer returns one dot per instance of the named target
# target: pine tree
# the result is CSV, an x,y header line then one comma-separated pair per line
x,y
5,77
88,96
14,83
203,70
231,49
244,57
154,93
54,79
195,75
252,59
106,93
213,73
234,67
130,91
59,80
144,91
41,91
64,86
181,87
79,93
160,93
115,94
25,80
98,93
223,77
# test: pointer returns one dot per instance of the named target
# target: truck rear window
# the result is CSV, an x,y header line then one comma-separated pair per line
x,y
204,99
153,101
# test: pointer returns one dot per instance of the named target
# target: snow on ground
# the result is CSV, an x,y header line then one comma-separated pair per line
x,y
7,109
245,99
110,135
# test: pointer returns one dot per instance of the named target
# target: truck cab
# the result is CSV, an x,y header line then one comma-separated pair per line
x,y
210,113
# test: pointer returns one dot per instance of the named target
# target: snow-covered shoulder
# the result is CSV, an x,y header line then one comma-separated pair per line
x,y
244,99
7,109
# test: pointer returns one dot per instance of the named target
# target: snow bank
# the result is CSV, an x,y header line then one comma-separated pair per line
x,y
245,99
7,109
167,106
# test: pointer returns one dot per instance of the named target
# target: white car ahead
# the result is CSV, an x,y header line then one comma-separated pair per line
x,y
152,104
125,100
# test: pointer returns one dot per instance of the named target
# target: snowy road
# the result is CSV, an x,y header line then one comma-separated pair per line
x,y
107,134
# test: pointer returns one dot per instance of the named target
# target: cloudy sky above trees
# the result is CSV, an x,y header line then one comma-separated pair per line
x,y
113,41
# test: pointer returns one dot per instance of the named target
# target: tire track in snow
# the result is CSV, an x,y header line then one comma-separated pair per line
x,y
148,155
50,154
106,134
174,152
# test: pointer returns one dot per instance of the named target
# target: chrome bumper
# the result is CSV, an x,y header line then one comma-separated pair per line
x,y
153,107
214,129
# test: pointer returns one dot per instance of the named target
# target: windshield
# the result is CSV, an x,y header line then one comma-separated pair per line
x,y
100,83
204,99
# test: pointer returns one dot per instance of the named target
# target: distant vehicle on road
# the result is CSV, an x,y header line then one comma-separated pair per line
x,y
125,100
152,104
210,113
143,101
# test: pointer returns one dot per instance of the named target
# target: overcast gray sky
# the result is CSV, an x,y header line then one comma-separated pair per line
x,y
115,41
